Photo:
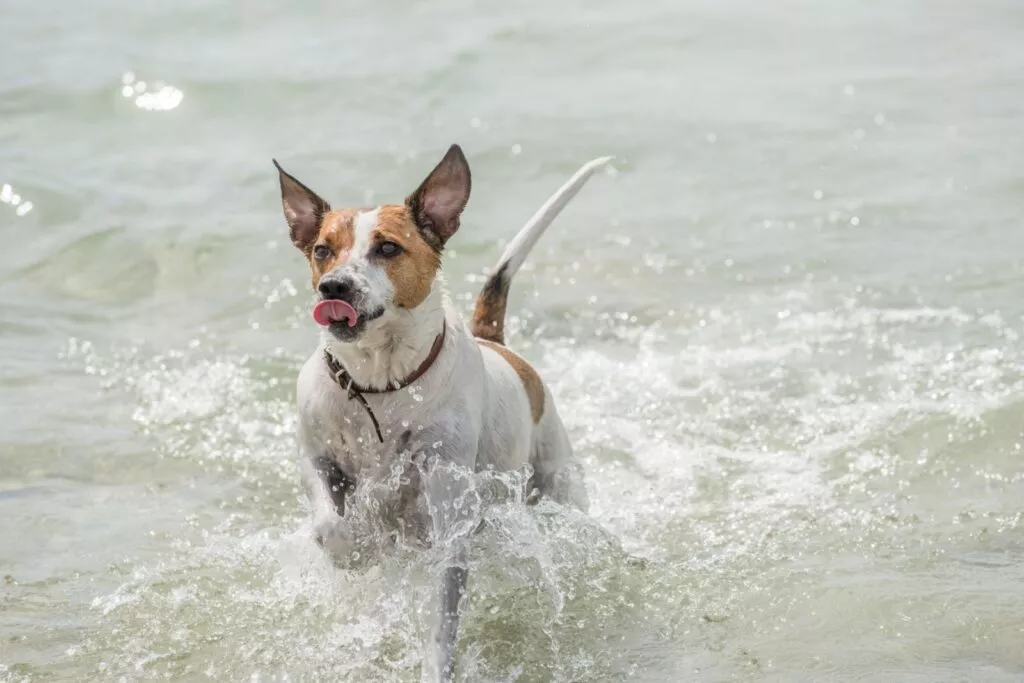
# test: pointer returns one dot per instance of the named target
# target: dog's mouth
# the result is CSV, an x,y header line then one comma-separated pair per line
x,y
342,319
330,312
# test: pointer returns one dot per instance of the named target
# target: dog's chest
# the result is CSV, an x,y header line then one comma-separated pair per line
x,y
384,476
343,428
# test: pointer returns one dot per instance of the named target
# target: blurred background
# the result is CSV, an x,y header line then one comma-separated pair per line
x,y
784,333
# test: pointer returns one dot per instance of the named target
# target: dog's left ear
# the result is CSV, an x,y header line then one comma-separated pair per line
x,y
438,202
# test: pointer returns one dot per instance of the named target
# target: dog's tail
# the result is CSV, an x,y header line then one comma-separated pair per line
x,y
489,316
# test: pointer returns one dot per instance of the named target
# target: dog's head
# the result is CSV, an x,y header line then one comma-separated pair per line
x,y
370,263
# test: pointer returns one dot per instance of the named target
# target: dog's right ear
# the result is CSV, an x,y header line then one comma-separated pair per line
x,y
303,209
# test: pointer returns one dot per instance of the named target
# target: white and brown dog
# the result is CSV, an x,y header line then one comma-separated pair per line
x,y
400,381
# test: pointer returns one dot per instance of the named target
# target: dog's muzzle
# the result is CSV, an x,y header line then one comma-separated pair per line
x,y
337,302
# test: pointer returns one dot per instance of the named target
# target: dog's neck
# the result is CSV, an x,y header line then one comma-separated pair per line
x,y
392,349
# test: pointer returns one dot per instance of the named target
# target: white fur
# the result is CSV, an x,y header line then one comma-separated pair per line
x,y
392,347
468,412
520,246
363,228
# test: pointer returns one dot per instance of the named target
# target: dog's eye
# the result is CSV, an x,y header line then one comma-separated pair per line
x,y
389,249
321,251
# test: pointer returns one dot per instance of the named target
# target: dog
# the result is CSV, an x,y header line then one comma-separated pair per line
x,y
399,378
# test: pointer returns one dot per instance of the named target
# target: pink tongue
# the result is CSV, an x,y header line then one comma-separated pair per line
x,y
334,310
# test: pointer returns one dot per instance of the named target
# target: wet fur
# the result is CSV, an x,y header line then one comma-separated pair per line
x,y
479,405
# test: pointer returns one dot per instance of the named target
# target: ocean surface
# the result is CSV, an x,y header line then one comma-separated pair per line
x,y
784,332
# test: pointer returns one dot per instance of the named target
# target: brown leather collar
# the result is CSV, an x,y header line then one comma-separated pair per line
x,y
345,381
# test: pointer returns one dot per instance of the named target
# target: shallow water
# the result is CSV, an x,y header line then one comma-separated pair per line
x,y
784,334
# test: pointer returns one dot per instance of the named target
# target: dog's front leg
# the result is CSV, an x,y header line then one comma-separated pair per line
x,y
451,503
445,631
327,488
333,483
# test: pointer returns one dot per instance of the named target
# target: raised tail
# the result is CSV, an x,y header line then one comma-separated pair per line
x,y
489,316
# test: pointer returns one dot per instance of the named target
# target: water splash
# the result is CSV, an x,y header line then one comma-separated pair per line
x,y
717,455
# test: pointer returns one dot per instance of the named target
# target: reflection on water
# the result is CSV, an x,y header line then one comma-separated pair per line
x,y
150,97
8,196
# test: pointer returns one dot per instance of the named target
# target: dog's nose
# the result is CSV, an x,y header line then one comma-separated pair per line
x,y
335,288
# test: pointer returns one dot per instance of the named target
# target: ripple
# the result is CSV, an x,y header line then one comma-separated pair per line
x,y
88,269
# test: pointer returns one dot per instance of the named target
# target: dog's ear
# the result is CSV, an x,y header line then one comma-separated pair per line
x,y
303,209
438,202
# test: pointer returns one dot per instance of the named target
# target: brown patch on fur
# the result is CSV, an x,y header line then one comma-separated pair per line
x,y
412,272
489,315
337,232
527,375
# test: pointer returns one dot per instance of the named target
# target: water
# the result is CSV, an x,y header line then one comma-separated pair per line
x,y
784,334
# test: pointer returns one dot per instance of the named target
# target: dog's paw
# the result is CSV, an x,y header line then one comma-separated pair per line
x,y
336,539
